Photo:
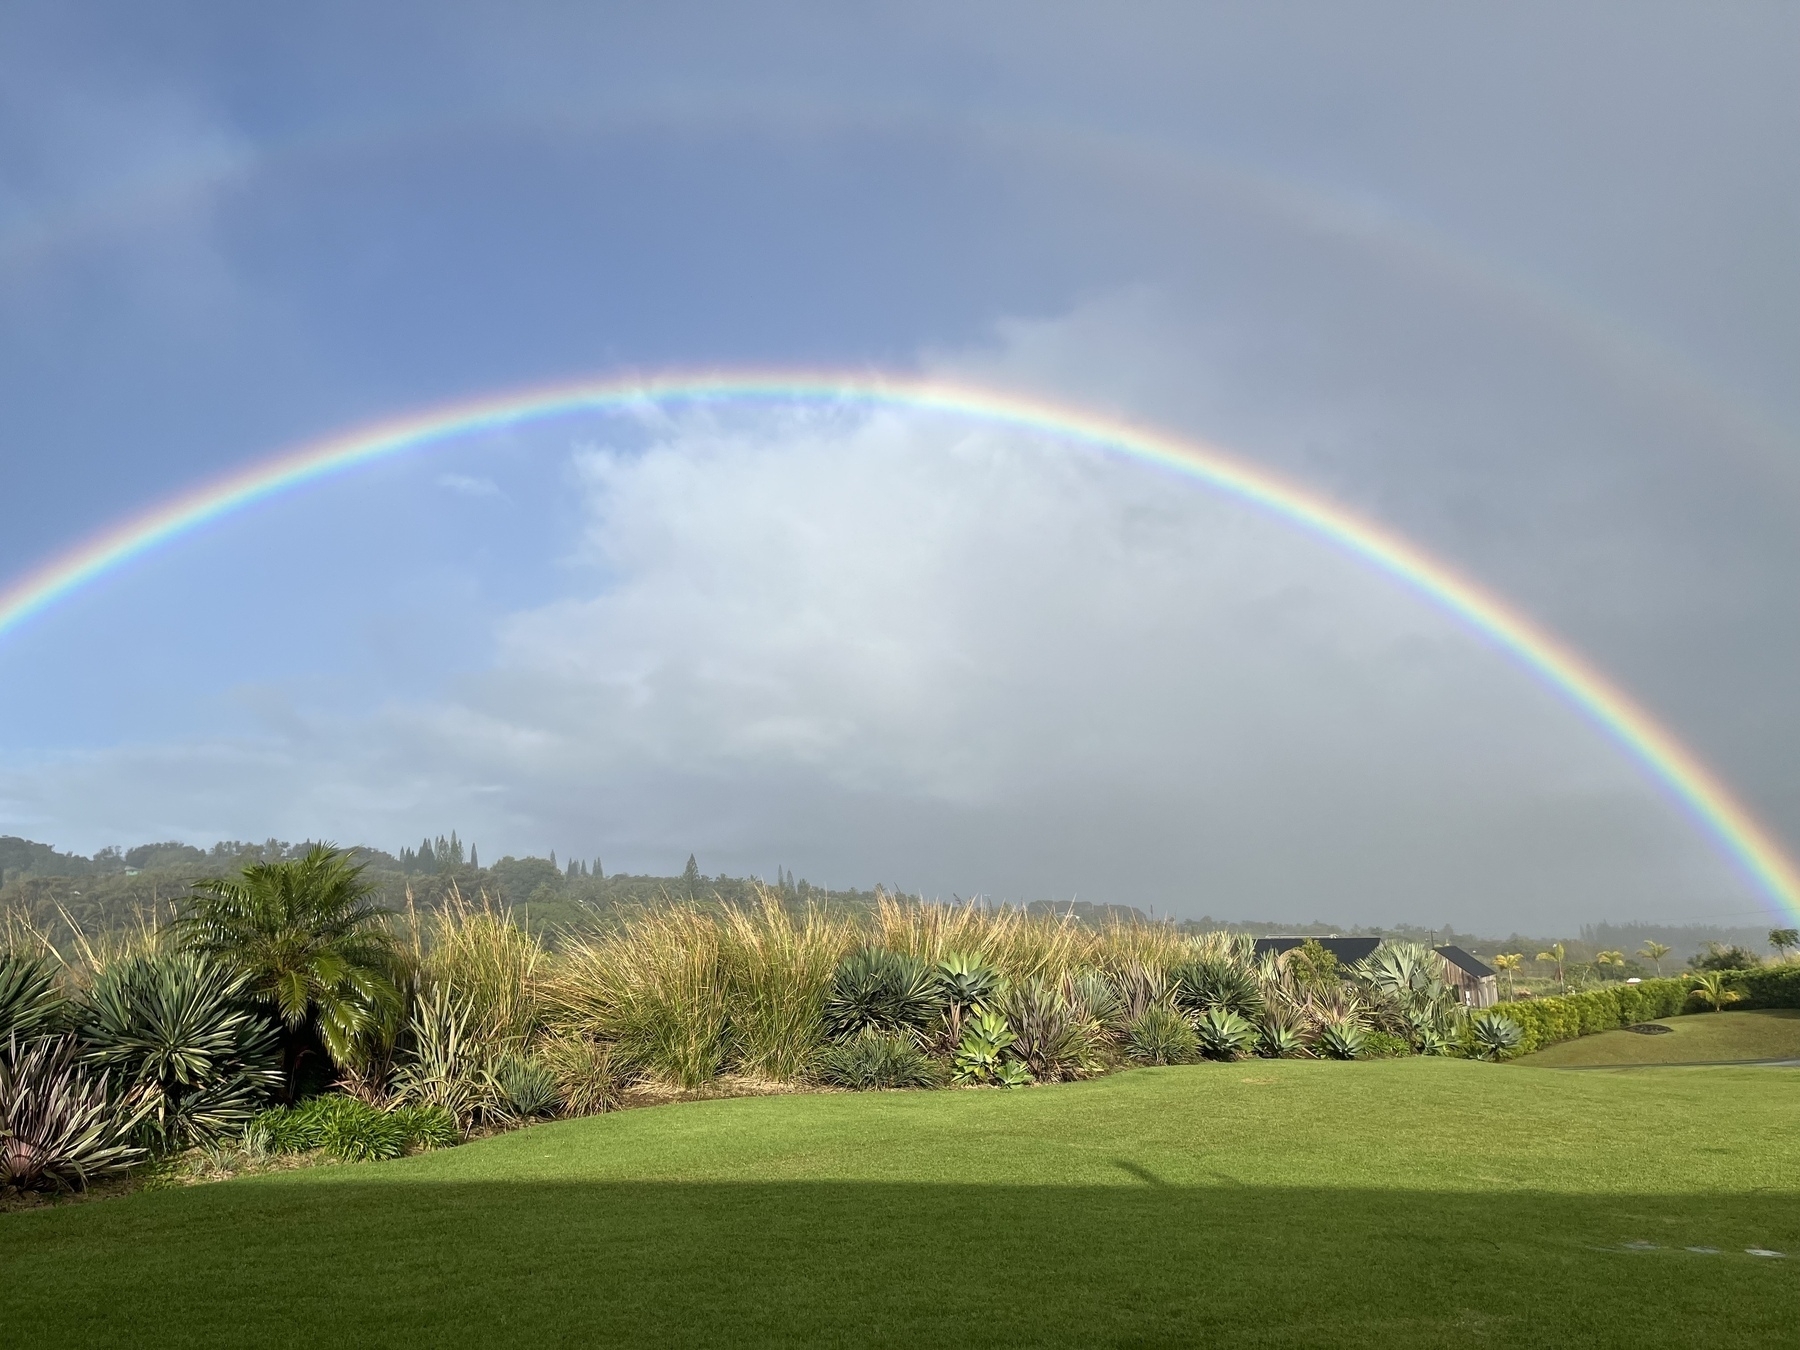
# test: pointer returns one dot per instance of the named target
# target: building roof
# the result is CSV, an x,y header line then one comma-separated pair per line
x,y
1457,957
1348,950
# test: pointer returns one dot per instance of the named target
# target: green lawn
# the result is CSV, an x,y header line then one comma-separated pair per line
x,y
1397,1203
1698,1038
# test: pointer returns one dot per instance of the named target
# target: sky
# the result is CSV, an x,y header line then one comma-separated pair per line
x,y
1516,282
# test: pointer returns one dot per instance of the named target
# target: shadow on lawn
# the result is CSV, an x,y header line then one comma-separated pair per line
x,y
395,1262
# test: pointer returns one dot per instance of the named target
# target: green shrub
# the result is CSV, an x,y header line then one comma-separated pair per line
x,y
175,1031
1161,1035
874,1059
1769,986
1546,1021
1223,1034
1384,1045
59,1128
350,1129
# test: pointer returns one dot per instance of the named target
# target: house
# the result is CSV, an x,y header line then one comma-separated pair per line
x,y
1348,950
1473,978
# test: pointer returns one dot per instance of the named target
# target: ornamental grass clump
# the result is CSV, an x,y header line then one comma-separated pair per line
x,y
1160,1035
874,1059
656,991
779,972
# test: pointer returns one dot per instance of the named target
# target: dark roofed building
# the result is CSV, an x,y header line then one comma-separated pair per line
x,y
1471,976
1348,950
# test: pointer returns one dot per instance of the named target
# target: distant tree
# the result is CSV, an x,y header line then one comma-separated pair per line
x,y
474,859
1609,959
1654,953
1510,963
1558,953
690,878
1781,939
1314,964
1718,956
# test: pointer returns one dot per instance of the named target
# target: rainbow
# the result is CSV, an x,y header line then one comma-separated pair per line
x,y
1712,804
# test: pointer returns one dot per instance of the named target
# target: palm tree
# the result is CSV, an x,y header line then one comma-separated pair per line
x,y
1510,963
1557,953
1783,938
1654,953
1609,959
312,944
1710,985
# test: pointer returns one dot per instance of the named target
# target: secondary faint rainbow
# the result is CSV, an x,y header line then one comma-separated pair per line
x,y
1700,790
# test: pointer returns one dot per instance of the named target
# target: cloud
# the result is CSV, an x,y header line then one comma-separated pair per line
x,y
468,485
901,646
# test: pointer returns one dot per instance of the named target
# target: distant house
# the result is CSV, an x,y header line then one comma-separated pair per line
x,y
1470,976
1348,950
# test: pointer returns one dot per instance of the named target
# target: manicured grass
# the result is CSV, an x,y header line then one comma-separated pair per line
x,y
1401,1203
1697,1038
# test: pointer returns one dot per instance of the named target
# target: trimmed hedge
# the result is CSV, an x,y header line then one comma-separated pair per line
x,y
1768,986
1545,1021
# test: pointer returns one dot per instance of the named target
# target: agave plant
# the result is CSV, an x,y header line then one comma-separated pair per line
x,y
965,983
1217,981
59,1127
879,990
1495,1034
874,1059
31,1004
1160,1035
1280,1037
1340,1037
1223,1034
981,1056
177,1033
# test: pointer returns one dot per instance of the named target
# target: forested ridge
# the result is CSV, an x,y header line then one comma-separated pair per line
x,y
120,887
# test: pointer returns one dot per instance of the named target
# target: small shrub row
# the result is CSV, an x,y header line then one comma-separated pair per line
x,y
1546,1021
349,1129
